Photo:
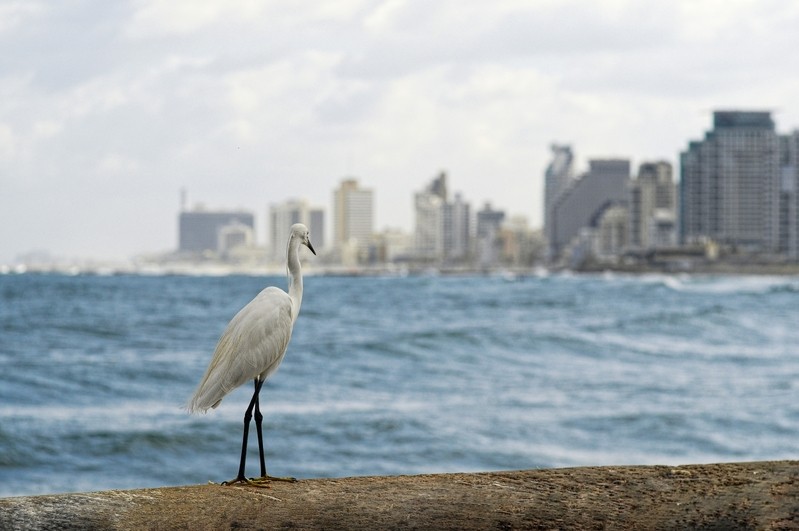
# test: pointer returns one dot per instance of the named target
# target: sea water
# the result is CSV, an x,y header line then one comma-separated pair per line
x,y
395,375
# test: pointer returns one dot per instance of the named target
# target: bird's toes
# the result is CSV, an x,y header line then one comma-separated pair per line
x,y
280,478
235,482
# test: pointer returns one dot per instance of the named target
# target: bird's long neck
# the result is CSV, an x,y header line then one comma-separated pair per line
x,y
295,276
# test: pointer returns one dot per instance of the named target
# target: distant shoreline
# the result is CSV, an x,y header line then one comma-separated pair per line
x,y
709,268
507,273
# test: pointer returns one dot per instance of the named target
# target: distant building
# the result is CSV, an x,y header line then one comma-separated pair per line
x,y
489,243
392,245
234,236
201,231
731,183
283,215
611,235
789,196
442,231
521,246
456,229
428,241
652,205
438,186
582,204
353,219
557,178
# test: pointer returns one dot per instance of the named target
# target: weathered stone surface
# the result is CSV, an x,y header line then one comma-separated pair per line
x,y
763,495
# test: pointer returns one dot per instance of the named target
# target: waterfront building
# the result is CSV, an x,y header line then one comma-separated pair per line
x,y
611,235
557,178
788,217
652,205
392,245
731,183
489,243
789,198
456,229
521,245
442,231
234,236
283,215
582,204
428,241
201,231
353,219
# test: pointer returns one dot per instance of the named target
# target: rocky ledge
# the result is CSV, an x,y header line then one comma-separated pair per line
x,y
761,495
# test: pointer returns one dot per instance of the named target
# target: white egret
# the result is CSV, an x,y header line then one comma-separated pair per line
x,y
252,346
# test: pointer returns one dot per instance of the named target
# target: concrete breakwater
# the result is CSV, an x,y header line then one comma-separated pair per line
x,y
757,495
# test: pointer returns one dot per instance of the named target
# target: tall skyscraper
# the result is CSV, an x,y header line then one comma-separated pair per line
x,y
456,228
283,215
429,211
582,204
353,213
789,196
557,178
731,183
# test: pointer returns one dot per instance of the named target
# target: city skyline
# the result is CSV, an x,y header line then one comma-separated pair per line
x,y
738,191
262,228
108,110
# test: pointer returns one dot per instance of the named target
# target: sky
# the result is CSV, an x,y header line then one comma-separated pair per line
x,y
109,109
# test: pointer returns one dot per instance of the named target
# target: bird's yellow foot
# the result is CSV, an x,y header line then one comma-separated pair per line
x,y
276,478
262,483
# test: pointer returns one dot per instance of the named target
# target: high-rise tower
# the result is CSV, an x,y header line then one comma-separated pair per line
x,y
353,212
283,215
557,178
731,181
585,200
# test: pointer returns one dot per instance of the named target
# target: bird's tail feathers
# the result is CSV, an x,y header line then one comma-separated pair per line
x,y
204,398
194,406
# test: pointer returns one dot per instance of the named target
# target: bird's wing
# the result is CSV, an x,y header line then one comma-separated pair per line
x,y
253,344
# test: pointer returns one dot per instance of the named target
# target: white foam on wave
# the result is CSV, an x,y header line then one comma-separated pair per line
x,y
111,416
723,285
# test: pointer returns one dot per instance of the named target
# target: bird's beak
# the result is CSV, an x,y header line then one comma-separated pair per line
x,y
309,246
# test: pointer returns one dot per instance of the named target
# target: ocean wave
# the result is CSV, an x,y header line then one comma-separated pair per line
x,y
732,285
397,375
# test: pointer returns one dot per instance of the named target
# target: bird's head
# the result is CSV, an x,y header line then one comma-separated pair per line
x,y
301,232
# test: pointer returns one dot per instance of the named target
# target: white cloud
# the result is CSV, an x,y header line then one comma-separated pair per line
x,y
182,17
7,142
115,164
47,128
384,16
16,13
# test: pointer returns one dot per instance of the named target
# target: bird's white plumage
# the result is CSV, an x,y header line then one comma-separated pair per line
x,y
262,326
255,340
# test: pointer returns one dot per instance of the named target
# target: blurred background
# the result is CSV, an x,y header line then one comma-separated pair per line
x,y
116,118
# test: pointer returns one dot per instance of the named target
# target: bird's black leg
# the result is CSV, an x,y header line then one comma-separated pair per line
x,y
247,417
258,422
